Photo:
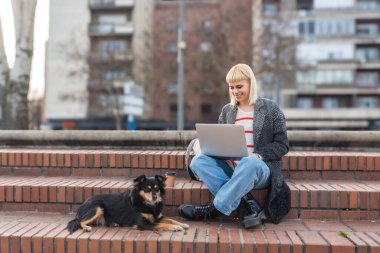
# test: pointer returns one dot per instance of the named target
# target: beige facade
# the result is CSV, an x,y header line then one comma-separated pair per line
x,y
66,65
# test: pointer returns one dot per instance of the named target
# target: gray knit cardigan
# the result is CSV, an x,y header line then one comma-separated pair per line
x,y
271,142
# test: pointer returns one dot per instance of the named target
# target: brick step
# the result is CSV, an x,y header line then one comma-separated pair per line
x,y
297,165
35,232
309,198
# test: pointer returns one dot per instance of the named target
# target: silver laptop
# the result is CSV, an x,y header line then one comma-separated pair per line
x,y
225,141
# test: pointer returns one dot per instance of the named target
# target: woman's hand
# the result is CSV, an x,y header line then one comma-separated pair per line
x,y
256,154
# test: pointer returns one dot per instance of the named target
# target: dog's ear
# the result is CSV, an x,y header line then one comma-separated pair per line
x,y
160,178
139,179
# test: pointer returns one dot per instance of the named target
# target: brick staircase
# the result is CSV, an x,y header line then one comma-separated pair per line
x,y
335,203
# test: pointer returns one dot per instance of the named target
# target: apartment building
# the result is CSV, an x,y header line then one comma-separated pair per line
x,y
111,43
340,49
111,56
91,60
217,36
336,61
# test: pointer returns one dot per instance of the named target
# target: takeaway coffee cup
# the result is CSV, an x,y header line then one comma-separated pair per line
x,y
170,179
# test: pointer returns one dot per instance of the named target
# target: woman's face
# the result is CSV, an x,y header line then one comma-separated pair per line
x,y
240,91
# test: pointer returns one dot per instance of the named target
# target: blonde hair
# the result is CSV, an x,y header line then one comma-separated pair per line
x,y
241,72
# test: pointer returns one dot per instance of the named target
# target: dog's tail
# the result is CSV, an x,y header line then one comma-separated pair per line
x,y
73,225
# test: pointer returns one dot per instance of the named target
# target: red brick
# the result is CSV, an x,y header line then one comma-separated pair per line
x,y
180,160
96,158
11,159
46,160
318,163
53,160
117,240
68,160
39,159
338,243
377,163
352,163
135,159
200,242
4,159
165,160
119,160
175,242
95,237
18,161
142,160
82,160
105,241
150,160
223,240
293,163
89,160
326,163
361,163
61,160
112,160
127,160
104,160
314,243
75,160
261,243
157,159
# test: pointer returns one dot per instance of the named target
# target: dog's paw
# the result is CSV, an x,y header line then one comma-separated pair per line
x,y
177,228
185,226
87,229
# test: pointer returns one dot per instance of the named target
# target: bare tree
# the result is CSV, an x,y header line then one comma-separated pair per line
x,y
278,63
104,97
15,81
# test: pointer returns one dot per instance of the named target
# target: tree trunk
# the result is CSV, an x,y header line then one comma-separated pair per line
x,y
15,111
4,72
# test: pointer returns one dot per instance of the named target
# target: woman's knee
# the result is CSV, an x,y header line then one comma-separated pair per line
x,y
198,162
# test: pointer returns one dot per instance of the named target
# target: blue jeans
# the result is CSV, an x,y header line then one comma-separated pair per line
x,y
230,185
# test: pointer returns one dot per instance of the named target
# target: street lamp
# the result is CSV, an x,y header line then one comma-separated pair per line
x,y
181,45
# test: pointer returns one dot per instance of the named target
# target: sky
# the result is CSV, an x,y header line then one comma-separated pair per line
x,y
41,34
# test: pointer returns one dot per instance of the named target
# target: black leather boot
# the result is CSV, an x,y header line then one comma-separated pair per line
x,y
255,213
201,212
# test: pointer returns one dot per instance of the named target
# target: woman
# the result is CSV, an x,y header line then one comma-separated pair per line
x,y
267,143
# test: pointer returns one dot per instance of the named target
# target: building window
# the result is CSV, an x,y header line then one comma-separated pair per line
x,y
270,10
369,54
330,27
306,28
206,108
328,103
205,46
320,77
172,88
367,79
207,89
207,26
111,46
367,30
115,19
305,103
114,75
173,108
173,26
367,102
172,47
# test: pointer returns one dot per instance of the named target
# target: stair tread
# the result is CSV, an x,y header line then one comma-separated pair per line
x,y
180,183
291,233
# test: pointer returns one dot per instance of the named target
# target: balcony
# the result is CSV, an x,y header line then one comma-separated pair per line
x,y
124,56
96,29
110,4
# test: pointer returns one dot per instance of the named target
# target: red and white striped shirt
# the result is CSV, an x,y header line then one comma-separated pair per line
x,y
246,120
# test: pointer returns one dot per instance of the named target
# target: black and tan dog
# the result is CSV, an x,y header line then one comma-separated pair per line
x,y
141,206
